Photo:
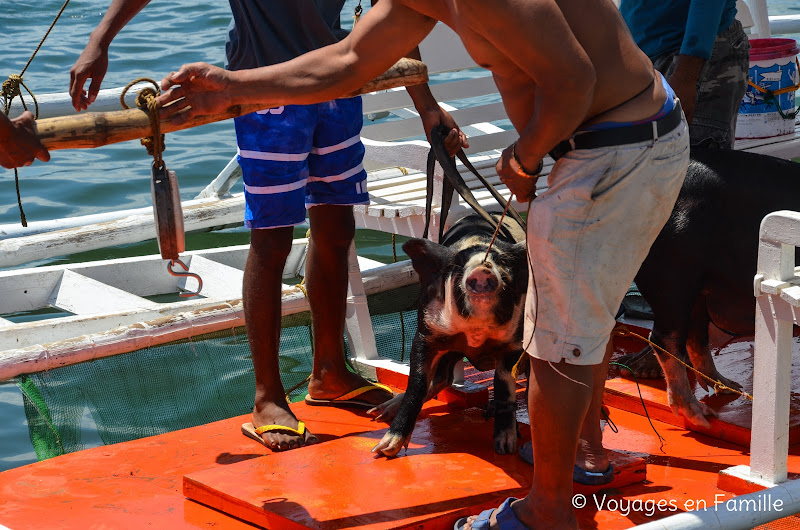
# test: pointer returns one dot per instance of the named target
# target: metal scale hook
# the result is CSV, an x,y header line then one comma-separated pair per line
x,y
185,274
169,223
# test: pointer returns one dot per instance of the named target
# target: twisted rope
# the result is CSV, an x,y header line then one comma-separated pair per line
x,y
146,100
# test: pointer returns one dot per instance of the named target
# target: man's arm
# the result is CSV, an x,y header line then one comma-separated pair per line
x,y
702,26
385,34
93,61
19,144
548,94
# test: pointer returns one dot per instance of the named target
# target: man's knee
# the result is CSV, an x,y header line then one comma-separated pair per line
x,y
271,246
332,226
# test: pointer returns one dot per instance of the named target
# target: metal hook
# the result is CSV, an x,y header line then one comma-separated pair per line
x,y
185,274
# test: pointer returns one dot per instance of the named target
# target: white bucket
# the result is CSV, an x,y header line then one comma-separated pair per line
x,y
773,67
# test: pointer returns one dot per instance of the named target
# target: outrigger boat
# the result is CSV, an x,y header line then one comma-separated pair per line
x,y
737,474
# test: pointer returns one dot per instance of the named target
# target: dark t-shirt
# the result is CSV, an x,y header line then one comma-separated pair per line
x,y
265,32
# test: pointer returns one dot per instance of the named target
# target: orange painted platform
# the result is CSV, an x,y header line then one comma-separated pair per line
x,y
212,476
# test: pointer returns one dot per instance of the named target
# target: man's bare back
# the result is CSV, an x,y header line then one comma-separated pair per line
x,y
546,55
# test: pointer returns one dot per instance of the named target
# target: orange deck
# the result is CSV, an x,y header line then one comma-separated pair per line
x,y
213,476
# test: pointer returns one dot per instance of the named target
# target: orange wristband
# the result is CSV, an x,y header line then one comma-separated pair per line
x,y
522,172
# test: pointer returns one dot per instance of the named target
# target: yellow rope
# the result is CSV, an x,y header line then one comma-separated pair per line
x,y
623,332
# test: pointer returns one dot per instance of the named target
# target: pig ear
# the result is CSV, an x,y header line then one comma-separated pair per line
x,y
427,257
519,254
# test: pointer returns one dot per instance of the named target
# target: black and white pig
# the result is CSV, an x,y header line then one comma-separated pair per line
x,y
468,307
700,269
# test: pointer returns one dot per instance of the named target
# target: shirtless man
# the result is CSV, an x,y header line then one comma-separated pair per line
x,y
19,145
567,70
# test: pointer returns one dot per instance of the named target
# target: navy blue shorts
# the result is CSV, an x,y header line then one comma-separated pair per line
x,y
299,156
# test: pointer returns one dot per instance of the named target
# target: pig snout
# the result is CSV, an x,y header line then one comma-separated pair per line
x,y
482,280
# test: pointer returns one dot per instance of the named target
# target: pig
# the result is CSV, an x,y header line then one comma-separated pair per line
x,y
468,307
701,266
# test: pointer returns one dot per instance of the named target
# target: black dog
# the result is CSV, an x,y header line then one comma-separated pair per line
x,y
700,269
468,307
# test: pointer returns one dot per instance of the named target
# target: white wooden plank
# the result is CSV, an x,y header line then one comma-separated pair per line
x,y
219,281
81,295
208,214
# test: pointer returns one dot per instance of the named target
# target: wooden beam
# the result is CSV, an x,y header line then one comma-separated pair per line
x,y
96,129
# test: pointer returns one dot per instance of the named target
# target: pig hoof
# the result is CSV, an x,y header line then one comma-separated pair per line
x,y
643,365
505,443
390,444
693,411
388,410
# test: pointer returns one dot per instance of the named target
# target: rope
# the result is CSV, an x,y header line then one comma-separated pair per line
x,y
771,96
499,226
717,384
146,100
11,90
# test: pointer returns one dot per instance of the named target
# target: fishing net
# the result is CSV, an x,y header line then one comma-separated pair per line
x,y
185,383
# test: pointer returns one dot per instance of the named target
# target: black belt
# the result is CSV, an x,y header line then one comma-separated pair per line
x,y
622,135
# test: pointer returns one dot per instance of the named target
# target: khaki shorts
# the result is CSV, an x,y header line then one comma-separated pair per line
x,y
588,234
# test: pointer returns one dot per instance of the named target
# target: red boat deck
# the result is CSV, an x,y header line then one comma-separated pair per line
x,y
213,476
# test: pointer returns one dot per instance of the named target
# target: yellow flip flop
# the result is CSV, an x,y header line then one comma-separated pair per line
x,y
347,400
249,430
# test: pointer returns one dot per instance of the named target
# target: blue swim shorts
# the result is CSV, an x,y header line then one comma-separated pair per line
x,y
298,156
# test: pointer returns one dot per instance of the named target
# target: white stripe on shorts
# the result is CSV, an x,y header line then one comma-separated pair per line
x,y
338,147
272,190
276,157
341,176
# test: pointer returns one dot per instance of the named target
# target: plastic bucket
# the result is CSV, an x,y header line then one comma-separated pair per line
x,y
773,66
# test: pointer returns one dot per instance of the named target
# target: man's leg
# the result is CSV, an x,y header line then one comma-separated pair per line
x,y
591,455
557,405
332,231
261,294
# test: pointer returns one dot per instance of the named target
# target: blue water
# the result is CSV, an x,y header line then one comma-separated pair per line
x,y
163,36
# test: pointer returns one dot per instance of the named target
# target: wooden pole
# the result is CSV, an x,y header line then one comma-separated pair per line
x,y
94,129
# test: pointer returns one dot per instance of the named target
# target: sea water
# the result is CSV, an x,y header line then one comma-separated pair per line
x,y
158,40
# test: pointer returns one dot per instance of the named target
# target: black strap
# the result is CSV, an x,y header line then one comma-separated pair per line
x,y
454,181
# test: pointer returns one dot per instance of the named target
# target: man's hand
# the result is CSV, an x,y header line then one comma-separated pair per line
x,y
683,80
19,145
197,89
522,186
436,115
93,62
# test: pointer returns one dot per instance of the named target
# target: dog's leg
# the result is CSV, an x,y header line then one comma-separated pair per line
x,y
505,403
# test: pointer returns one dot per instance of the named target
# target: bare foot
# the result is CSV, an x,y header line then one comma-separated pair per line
x,y
279,414
644,364
333,385
591,456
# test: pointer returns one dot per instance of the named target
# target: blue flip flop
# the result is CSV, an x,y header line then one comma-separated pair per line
x,y
579,475
506,518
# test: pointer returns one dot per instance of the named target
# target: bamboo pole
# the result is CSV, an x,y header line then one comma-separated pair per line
x,y
94,129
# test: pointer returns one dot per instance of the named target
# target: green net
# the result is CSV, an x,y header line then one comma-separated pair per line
x,y
183,384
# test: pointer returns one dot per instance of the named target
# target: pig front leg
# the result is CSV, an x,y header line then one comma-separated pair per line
x,y
402,426
442,378
505,401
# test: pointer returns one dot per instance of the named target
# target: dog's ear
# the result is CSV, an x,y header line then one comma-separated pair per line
x,y
428,258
